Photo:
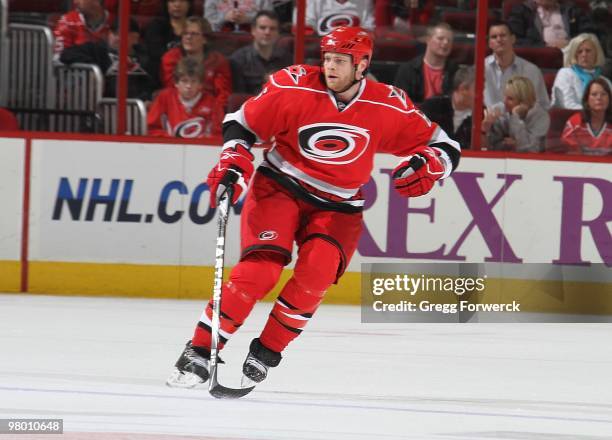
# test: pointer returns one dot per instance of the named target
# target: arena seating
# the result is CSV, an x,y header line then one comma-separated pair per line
x,y
558,118
136,115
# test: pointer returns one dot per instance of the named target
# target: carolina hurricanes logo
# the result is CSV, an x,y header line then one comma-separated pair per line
x,y
335,144
191,128
331,22
268,235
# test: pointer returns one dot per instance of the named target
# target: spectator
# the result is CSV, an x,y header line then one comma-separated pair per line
x,y
590,131
284,11
8,121
523,125
583,62
88,22
453,113
323,16
164,33
194,43
430,74
105,54
234,15
410,13
548,22
185,110
503,63
252,64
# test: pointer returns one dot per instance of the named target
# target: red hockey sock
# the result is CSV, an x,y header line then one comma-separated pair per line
x,y
250,280
315,271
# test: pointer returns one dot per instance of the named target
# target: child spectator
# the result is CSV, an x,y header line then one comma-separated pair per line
x,y
583,62
234,15
590,131
523,125
185,110
194,44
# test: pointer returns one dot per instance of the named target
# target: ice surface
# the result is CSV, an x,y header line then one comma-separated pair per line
x,y
100,364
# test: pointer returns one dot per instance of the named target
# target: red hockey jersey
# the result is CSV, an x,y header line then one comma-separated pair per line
x,y
328,149
168,116
579,137
71,29
217,73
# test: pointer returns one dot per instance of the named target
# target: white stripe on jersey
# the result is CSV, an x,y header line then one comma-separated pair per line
x,y
275,158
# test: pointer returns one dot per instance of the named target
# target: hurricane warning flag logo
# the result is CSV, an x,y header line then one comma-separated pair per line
x,y
336,144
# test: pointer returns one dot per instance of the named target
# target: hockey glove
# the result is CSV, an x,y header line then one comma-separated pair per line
x,y
416,175
234,171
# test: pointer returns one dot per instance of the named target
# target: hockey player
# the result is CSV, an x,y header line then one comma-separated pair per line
x,y
326,123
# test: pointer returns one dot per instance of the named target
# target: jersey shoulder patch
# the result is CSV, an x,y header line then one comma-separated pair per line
x,y
390,95
298,75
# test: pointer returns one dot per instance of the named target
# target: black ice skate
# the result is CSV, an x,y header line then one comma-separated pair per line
x,y
258,361
192,368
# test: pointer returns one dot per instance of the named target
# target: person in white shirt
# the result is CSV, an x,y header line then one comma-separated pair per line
x,y
323,16
503,63
583,62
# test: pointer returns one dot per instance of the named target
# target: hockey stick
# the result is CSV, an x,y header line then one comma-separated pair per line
x,y
214,387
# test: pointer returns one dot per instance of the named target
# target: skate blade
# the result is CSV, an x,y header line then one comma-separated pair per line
x,y
179,379
247,382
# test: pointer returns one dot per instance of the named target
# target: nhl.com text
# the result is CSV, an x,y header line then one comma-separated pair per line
x,y
436,290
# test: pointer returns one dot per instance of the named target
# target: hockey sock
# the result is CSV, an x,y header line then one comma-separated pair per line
x,y
250,280
315,271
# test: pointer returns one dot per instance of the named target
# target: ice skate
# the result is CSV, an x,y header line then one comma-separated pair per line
x,y
192,368
257,363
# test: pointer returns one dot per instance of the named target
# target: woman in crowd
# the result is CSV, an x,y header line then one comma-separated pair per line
x,y
194,44
522,125
164,33
590,131
583,61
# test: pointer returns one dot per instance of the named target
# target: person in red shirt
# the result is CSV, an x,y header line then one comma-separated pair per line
x,y
217,71
185,110
590,131
88,22
326,123
430,74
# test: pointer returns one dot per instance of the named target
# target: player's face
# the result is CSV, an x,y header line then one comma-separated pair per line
x,y
441,42
193,40
265,32
500,39
178,8
189,87
586,55
598,99
338,70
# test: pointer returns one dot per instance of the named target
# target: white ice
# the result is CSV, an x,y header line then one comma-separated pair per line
x,y
100,364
